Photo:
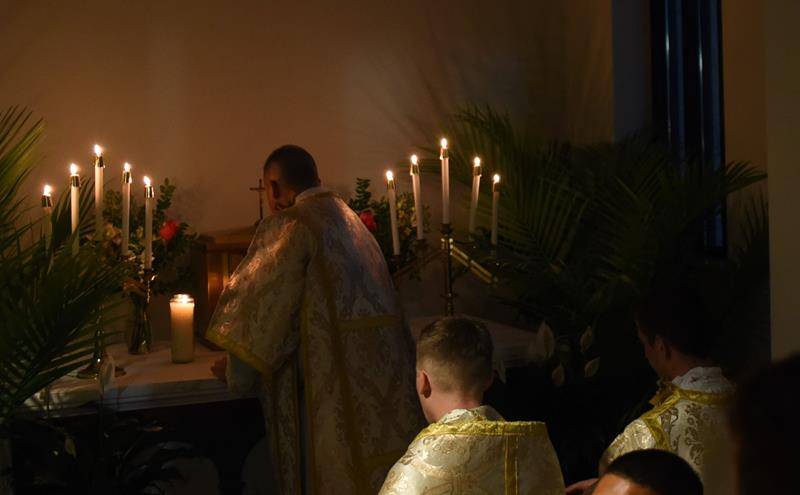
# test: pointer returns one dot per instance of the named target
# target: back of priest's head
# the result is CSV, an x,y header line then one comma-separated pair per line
x,y
650,472
456,353
298,169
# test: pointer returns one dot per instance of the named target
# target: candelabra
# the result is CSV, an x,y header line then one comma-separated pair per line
x,y
450,252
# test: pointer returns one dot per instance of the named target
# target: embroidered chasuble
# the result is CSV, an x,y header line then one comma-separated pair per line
x,y
688,419
476,452
311,309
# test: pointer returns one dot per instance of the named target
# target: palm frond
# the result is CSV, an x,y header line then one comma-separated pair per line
x,y
50,299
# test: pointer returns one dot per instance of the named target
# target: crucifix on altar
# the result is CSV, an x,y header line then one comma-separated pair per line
x,y
260,190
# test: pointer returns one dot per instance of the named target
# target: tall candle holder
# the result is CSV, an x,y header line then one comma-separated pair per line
x,y
95,366
447,249
141,337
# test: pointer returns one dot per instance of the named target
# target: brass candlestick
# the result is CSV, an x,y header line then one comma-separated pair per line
x,y
141,335
447,248
95,366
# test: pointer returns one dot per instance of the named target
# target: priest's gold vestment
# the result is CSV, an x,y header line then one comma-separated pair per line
x,y
476,452
688,419
312,307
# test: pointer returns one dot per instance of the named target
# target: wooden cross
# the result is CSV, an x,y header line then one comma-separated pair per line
x,y
260,190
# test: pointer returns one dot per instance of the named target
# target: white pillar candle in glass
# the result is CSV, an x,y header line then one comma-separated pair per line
x,y
99,173
47,210
181,314
495,206
444,156
149,196
418,209
391,192
127,179
476,189
74,201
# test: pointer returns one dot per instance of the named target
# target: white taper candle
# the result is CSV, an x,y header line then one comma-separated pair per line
x,y
74,201
495,206
445,159
47,210
127,179
99,177
476,189
149,196
419,214
392,193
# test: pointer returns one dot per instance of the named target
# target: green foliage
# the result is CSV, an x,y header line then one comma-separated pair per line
x,y
363,204
172,239
51,299
583,229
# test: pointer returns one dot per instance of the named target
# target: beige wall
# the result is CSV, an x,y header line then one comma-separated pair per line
x,y
782,83
762,105
201,91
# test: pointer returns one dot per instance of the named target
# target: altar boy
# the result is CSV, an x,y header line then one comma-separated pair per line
x,y
468,447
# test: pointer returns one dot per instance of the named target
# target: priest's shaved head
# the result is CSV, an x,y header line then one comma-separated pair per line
x,y
454,365
649,472
288,171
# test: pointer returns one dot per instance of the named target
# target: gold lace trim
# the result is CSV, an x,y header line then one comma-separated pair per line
x,y
667,396
485,428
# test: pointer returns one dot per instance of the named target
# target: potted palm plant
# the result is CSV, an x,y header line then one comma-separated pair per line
x,y
51,297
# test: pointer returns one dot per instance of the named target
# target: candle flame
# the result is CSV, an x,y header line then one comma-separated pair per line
x,y
98,151
47,191
127,167
443,143
414,159
476,162
389,175
146,181
496,178
73,169
182,299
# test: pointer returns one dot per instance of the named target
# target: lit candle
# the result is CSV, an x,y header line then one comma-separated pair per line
x,y
418,210
495,206
148,223
47,209
99,169
181,312
476,188
126,207
390,187
445,158
74,201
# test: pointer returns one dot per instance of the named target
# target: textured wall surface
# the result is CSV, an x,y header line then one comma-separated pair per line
x,y
201,91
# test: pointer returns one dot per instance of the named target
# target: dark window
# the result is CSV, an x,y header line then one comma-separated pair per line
x,y
687,90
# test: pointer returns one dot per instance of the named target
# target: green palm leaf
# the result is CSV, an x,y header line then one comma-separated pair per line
x,y
50,299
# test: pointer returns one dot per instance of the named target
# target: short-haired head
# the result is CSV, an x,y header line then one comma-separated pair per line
x,y
288,171
763,420
651,472
674,310
456,352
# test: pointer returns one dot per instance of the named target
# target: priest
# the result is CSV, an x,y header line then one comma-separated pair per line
x,y
310,319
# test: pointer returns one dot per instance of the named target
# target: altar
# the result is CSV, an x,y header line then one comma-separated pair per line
x,y
149,381
152,381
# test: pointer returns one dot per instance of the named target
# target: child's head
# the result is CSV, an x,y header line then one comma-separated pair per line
x,y
454,365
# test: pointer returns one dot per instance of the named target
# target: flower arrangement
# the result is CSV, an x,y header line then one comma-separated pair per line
x,y
172,239
375,215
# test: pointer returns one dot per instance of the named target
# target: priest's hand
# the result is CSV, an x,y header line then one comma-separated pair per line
x,y
580,487
219,367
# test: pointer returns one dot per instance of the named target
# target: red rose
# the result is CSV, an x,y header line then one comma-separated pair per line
x,y
368,218
168,230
